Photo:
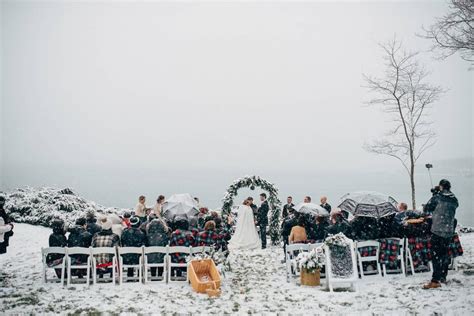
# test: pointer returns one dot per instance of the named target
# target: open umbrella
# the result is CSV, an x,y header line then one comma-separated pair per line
x,y
368,203
182,205
311,208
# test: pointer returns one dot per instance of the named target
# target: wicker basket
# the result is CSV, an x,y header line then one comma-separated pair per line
x,y
204,276
310,279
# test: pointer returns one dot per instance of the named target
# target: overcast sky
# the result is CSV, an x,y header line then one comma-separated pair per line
x,y
245,86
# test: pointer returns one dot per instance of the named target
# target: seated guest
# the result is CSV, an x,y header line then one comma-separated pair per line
x,y
6,227
209,237
364,228
318,230
193,226
401,227
298,232
91,223
105,238
132,237
79,237
224,231
156,235
203,214
126,219
337,223
181,237
56,239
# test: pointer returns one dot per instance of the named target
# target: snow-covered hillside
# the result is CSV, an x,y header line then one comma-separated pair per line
x,y
257,284
38,206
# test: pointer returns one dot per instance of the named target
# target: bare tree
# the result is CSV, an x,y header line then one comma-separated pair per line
x,y
404,94
454,32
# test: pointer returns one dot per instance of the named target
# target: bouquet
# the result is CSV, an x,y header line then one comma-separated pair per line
x,y
311,261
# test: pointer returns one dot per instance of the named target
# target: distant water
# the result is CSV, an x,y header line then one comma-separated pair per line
x,y
120,187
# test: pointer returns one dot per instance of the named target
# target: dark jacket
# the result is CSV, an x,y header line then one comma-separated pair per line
x,y
262,214
156,235
79,237
286,227
341,226
286,209
132,237
93,228
364,228
443,207
327,207
318,231
56,239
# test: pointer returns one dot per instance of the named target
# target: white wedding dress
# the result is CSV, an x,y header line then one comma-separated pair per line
x,y
245,236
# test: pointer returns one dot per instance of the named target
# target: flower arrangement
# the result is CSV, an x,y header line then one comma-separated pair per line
x,y
311,261
337,240
219,257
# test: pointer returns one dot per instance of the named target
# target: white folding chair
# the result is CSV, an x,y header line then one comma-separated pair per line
x,y
291,254
332,279
409,262
361,259
171,264
72,263
400,257
148,265
200,250
124,267
62,265
104,250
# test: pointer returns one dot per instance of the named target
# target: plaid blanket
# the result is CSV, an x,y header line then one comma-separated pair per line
x,y
420,249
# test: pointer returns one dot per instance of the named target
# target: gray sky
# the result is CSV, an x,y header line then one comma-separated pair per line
x,y
245,86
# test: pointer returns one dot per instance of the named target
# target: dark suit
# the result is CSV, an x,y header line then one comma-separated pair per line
x,y
286,210
262,220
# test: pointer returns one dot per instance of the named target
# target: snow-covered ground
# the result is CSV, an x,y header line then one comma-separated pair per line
x,y
257,284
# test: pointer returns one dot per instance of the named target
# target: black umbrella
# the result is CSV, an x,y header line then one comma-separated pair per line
x,y
369,204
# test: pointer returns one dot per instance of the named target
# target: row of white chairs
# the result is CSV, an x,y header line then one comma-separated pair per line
x,y
404,258
143,267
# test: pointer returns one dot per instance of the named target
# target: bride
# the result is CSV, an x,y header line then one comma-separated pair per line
x,y
245,236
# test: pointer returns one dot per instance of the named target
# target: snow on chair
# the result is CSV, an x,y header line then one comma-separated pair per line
x,y
59,263
312,246
171,264
375,258
341,271
155,252
124,251
78,258
108,251
292,251
400,256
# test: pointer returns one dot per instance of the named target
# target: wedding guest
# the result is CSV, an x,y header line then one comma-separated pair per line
x,y
286,226
91,223
324,204
126,219
203,213
105,238
287,207
307,199
262,219
337,223
318,231
156,235
181,237
224,229
298,232
158,206
132,237
79,237
209,237
193,226
56,239
6,227
140,208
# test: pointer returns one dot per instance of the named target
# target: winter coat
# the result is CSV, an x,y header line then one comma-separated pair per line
x,y
318,231
443,207
182,238
286,227
56,239
79,237
156,235
364,228
93,228
105,238
262,214
132,237
341,226
386,229
298,235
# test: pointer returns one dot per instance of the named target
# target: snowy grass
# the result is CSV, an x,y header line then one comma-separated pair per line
x,y
256,284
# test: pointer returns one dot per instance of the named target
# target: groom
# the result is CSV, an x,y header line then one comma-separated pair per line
x,y
262,219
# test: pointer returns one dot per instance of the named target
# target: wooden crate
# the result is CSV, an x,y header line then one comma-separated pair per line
x,y
203,275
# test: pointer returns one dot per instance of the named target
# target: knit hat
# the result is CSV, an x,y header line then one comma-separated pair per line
x,y
135,221
445,184
106,225
127,215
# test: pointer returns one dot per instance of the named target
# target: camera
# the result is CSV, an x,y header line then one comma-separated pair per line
x,y
435,190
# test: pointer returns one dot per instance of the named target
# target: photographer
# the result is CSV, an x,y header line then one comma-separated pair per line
x,y
6,227
443,207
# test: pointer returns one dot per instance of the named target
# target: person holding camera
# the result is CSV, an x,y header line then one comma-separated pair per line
x,y
443,207
6,227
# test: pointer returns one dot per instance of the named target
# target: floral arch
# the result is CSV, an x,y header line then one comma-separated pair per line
x,y
274,203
